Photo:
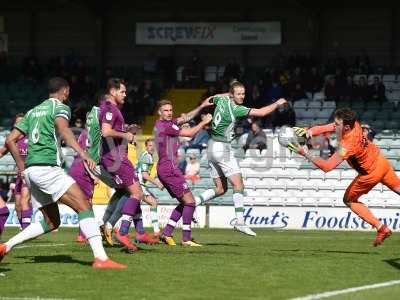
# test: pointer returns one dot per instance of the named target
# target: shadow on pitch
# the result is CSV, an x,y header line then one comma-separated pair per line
x,y
55,259
395,262
324,251
222,244
5,270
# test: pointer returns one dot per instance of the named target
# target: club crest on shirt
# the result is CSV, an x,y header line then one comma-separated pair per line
x,y
109,116
185,186
175,127
342,151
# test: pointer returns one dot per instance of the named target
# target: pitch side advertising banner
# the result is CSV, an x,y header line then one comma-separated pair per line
x,y
318,218
254,33
303,218
70,219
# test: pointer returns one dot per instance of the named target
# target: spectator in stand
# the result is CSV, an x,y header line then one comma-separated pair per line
x,y
32,71
284,115
297,93
313,82
349,89
232,70
150,67
363,63
254,98
134,109
200,140
256,138
330,89
192,170
108,73
149,95
362,91
77,128
377,90
273,93
193,71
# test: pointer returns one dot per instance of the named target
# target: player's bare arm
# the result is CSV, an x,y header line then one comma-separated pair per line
x,y
67,135
11,143
108,131
190,132
325,165
184,118
3,151
146,176
266,110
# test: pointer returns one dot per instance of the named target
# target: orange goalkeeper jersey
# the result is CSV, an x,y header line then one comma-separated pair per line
x,y
359,152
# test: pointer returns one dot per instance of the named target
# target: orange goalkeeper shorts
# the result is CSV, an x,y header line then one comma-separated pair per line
x,y
362,184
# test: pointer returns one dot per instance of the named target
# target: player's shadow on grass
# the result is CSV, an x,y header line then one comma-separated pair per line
x,y
4,270
395,262
324,251
55,259
222,244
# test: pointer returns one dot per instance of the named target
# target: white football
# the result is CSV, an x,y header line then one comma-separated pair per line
x,y
287,136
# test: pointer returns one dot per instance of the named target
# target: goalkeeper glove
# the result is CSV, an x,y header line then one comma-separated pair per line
x,y
297,148
300,131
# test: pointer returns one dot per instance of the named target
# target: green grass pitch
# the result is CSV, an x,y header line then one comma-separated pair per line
x,y
274,265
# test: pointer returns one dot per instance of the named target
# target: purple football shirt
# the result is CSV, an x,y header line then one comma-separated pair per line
x,y
167,142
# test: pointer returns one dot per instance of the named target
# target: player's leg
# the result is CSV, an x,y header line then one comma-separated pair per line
x,y
176,185
26,208
237,198
141,235
129,210
361,185
187,214
50,221
4,213
18,208
86,184
220,182
75,198
112,214
152,202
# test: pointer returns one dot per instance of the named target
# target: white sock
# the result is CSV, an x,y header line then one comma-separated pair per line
x,y
30,232
90,229
239,208
154,219
205,196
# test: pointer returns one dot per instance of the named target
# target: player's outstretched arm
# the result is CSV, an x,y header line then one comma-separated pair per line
x,y
184,118
69,138
190,132
11,143
324,165
266,110
157,183
3,151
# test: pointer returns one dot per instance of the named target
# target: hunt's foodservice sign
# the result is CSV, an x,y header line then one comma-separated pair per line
x,y
317,218
301,218
252,33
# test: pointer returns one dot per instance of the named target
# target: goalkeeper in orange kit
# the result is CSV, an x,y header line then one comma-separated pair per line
x,y
361,154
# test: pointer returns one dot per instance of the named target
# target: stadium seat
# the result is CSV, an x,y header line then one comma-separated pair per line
x,y
314,105
388,77
356,78
373,105
210,74
303,103
328,104
179,72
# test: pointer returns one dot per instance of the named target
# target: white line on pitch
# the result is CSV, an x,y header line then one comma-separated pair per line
x,y
32,298
349,290
40,245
